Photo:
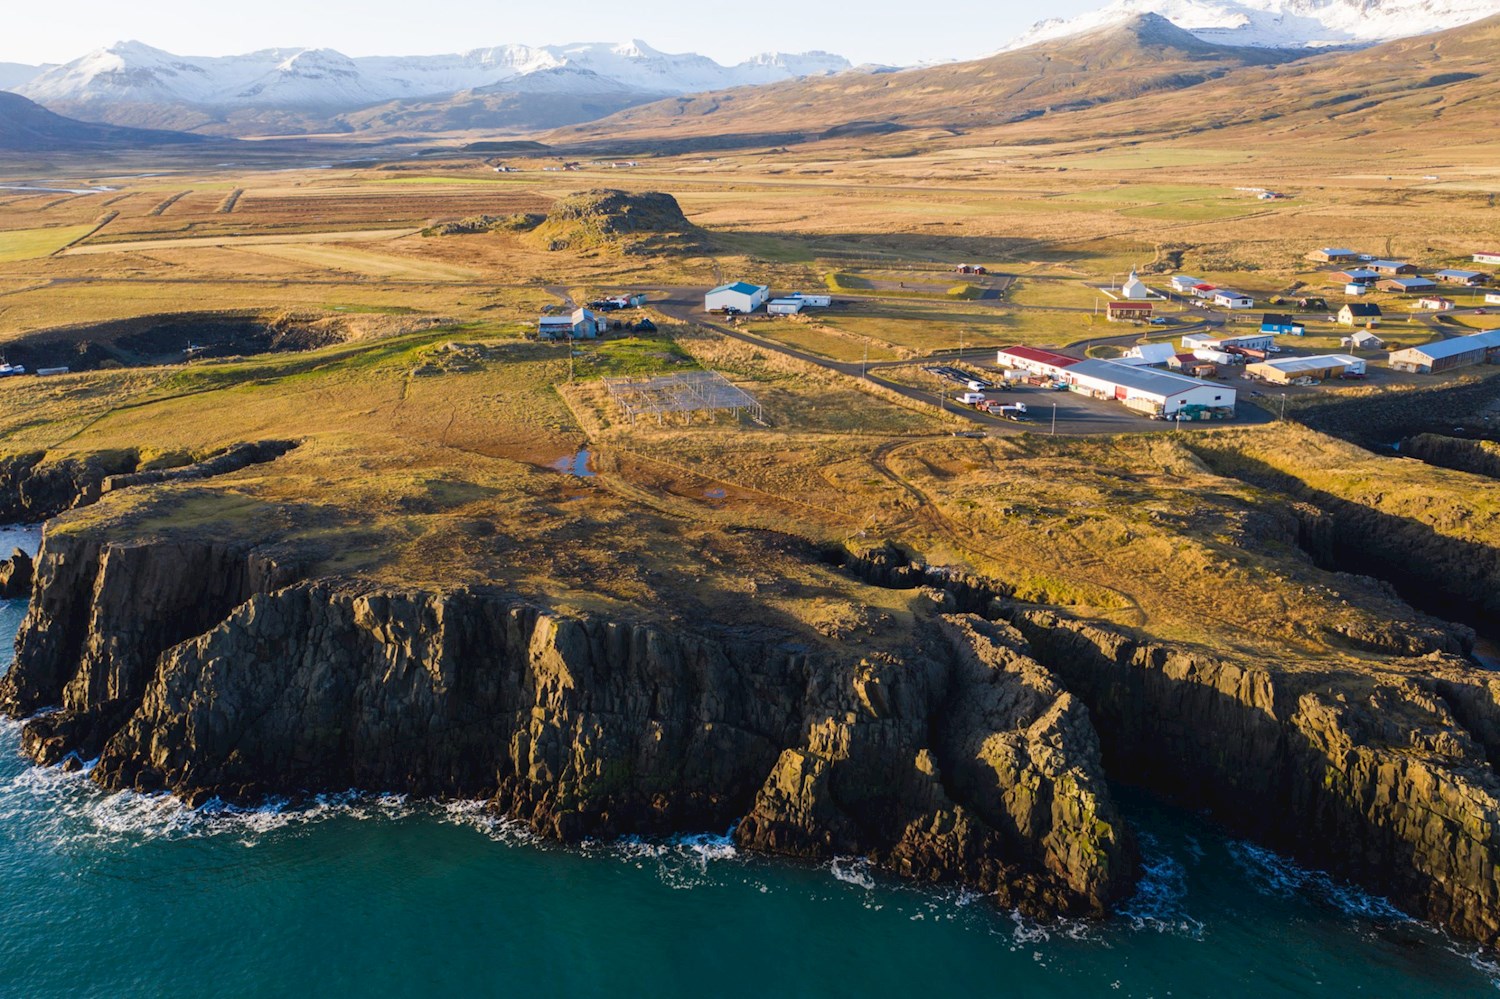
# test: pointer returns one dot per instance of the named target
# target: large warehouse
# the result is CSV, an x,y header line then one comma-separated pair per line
x,y
741,296
1457,352
1285,370
1147,389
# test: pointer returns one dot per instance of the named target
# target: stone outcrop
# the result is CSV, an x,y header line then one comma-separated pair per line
x,y
1382,777
35,486
1480,457
15,576
199,670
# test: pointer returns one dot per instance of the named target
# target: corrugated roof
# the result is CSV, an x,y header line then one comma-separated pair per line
x,y
1409,282
1150,380
1377,264
743,287
1038,356
1459,345
1320,362
1460,274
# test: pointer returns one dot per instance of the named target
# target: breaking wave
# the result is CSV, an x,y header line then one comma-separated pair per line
x,y
1160,900
1275,875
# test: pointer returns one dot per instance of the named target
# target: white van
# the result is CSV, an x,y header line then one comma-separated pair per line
x,y
971,398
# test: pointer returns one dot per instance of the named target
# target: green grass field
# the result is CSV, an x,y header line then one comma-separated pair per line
x,y
30,244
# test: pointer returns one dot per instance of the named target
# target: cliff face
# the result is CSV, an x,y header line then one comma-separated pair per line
x,y
1383,778
1480,457
957,758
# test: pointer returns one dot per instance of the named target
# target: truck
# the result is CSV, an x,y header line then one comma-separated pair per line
x,y
1009,410
971,398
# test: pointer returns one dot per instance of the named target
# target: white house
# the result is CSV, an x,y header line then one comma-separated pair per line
x,y
1233,299
1487,258
784,306
1184,285
1148,354
740,296
1147,389
1134,289
1364,340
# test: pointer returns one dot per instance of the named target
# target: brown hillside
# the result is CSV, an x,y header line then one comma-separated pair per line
x,y
1146,54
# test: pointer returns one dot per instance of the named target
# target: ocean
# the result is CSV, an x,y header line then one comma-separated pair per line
x,y
127,895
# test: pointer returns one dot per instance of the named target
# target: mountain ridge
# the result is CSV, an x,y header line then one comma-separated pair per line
x,y
131,83
27,127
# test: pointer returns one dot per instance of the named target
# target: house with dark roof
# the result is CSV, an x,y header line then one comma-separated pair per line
x,y
1393,267
1355,275
1281,325
1360,314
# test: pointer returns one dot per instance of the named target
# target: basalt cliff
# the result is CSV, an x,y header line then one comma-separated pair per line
x,y
977,752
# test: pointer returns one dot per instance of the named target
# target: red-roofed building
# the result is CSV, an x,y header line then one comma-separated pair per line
x,y
1204,290
1035,360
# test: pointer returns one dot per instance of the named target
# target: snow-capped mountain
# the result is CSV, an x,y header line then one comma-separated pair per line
x,y
1279,23
130,72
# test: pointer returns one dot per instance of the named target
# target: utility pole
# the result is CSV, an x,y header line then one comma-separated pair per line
x,y
570,353
865,364
1054,419
1283,407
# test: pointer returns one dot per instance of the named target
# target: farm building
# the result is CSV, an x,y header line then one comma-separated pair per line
x,y
1392,267
813,301
1134,289
784,306
1147,389
1194,366
1469,279
1233,299
1487,258
1332,255
1035,360
1204,290
1184,285
1442,355
1405,285
1247,341
1134,312
1148,354
1360,314
1493,298
1281,325
1363,340
1285,370
582,324
1436,303
1355,275
741,296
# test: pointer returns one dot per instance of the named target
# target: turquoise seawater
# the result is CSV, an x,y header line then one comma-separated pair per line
x,y
123,895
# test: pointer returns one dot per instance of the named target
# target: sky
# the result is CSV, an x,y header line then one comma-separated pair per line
x,y
879,31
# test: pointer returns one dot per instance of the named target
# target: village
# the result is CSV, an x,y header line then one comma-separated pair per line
x,y
1186,366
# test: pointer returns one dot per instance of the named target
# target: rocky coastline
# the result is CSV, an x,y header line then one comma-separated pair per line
x,y
977,751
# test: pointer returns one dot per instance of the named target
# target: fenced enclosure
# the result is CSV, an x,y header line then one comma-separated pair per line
x,y
687,392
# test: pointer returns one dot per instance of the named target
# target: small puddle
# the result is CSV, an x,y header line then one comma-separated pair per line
x,y
576,465
715,493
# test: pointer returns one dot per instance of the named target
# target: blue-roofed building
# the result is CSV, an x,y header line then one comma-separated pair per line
x,y
1470,279
1444,355
738,296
